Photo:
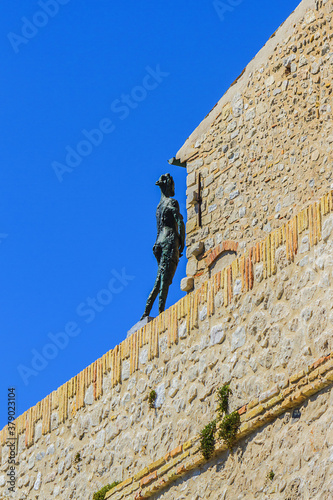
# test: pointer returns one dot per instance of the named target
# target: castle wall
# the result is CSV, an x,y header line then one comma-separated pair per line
x,y
265,151
255,327
260,316
297,452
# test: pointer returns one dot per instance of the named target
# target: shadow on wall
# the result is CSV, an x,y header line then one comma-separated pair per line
x,y
222,261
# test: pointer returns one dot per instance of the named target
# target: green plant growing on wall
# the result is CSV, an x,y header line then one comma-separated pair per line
x,y
100,495
77,458
223,394
207,440
226,424
229,428
271,475
151,399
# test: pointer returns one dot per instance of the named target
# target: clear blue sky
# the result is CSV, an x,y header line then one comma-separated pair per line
x,y
146,73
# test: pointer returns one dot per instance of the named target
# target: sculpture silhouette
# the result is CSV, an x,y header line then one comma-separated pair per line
x,y
169,243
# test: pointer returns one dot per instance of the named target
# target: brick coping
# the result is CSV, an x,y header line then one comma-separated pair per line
x,y
255,414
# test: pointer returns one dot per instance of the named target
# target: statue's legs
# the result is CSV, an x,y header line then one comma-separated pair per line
x,y
166,271
153,295
166,280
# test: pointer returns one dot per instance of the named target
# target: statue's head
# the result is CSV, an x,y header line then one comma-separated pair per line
x,y
167,185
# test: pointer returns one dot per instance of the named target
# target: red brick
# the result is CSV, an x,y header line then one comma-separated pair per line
x,y
180,469
176,451
317,363
148,479
242,410
139,496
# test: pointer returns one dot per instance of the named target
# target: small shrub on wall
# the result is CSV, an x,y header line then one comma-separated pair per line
x,y
100,495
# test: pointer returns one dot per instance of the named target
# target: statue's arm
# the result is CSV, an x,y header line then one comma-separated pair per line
x,y
180,225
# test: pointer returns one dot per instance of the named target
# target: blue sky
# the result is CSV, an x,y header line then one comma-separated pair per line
x,y
95,99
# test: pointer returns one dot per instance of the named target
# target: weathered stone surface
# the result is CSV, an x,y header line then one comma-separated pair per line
x,y
238,338
89,397
217,335
197,248
38,481
192,267
187,284
266,157
327,228
274,183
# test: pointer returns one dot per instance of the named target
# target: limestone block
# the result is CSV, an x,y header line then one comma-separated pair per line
x,y
191,225
327,228
197,249
100,439
250,114
182,330
50,450
238,338
237,287
303,61
38,481
230,187
38,431
192,394
310,17
160,395
305,245
89,397
237,105
125,373
187,284
232,126
141,385
111,431
143,356
217,335
193,373
175,386
54,421
234,194
192,267
191,178
315,68
61,467
269,81
192,197
203,313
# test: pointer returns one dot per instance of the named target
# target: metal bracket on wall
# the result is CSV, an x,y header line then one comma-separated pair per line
x,y
199,200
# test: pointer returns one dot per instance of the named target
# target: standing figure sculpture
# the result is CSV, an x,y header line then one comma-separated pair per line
x,y
169,243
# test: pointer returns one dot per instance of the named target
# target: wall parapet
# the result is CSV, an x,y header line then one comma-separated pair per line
x,y
254,415
234,280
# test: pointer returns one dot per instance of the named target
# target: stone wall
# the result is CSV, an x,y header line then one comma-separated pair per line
x,y
284,450
255,324
299,452
260,316
266,148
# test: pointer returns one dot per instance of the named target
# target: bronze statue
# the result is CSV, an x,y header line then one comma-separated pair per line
x,y
169,243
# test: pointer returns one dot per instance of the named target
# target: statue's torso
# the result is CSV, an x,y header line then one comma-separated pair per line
x,y
167,233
